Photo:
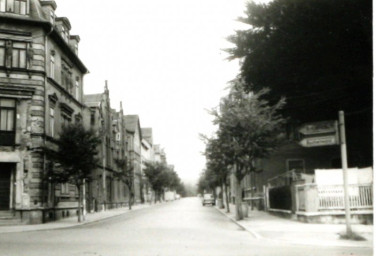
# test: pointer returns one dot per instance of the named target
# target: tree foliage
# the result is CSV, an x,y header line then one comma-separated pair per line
x,y
249,128
75,157
161,177
316,53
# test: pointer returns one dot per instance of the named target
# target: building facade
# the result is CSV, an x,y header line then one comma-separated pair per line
x,y
147,155
134,139
41,85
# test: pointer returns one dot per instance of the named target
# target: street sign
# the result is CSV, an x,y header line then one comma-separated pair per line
x,y
319,141
318,128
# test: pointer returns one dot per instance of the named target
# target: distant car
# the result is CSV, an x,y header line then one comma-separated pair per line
x,y
208,199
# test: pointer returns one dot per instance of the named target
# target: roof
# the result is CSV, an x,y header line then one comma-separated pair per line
x,y
147,134
93,100
131,122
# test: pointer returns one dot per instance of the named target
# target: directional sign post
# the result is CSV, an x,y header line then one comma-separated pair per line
x,y
318,134
344,168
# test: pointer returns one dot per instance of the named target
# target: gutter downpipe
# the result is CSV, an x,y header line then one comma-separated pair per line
x,y
49,192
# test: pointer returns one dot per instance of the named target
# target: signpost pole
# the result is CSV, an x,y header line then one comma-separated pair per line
x,y
344,168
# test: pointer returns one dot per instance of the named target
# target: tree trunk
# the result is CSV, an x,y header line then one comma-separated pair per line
x,y
129,198
227,200
222,206
238,200
252,190
79,215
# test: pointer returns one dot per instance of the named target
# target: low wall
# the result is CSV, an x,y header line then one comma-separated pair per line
x,y
363,217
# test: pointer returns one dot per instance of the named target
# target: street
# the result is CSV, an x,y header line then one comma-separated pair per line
x,y
182,227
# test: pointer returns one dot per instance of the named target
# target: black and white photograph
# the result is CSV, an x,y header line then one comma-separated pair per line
x,y
186,128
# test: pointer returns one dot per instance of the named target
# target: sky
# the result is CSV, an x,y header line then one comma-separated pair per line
x,y
164,60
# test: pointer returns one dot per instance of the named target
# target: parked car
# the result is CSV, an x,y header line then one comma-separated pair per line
x,y
208,199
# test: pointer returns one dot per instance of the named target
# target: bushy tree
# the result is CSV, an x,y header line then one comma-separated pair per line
x,y
217,161
316,53
74,159
249,129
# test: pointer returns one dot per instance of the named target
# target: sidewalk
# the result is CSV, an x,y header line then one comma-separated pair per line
x,y
266,226
72,221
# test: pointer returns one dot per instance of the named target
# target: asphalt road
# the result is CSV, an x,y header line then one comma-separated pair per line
x,y
177,228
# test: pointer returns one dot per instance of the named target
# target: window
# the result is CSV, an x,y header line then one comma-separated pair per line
x,y
66,78
92,118
65,119
77,88
296,164
65,188
52,67
13,54
7,121
64,33
15,6
20,6
52,16
52,122
19,55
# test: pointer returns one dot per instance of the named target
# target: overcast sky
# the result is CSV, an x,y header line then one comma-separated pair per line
x,y
163,60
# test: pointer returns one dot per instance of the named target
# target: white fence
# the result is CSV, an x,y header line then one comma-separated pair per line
x,y
332,196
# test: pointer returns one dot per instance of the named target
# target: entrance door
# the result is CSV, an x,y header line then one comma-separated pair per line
x,y
5,172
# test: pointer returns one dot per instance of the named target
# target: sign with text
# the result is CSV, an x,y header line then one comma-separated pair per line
x,y
319,128
319,141
324,133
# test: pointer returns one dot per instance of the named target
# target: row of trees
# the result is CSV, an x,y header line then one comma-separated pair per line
x,y
162,178
75,157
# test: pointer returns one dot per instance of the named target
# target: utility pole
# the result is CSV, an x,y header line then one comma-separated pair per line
x,y
344,168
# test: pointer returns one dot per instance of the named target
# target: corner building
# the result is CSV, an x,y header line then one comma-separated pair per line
x,y
41,87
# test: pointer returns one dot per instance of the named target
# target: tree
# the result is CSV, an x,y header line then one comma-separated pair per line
x,y
75,158
126,175
217,161
249,129
161,177
316,53
208,182
155,172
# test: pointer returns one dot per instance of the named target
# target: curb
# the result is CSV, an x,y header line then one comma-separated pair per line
x,y
258,236
255,234
76,224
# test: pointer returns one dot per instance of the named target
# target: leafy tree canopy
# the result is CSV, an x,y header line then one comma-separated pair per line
x,y
75,155
317,53
249,127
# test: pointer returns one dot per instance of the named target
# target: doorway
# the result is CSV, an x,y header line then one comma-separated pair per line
x,y
5,185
